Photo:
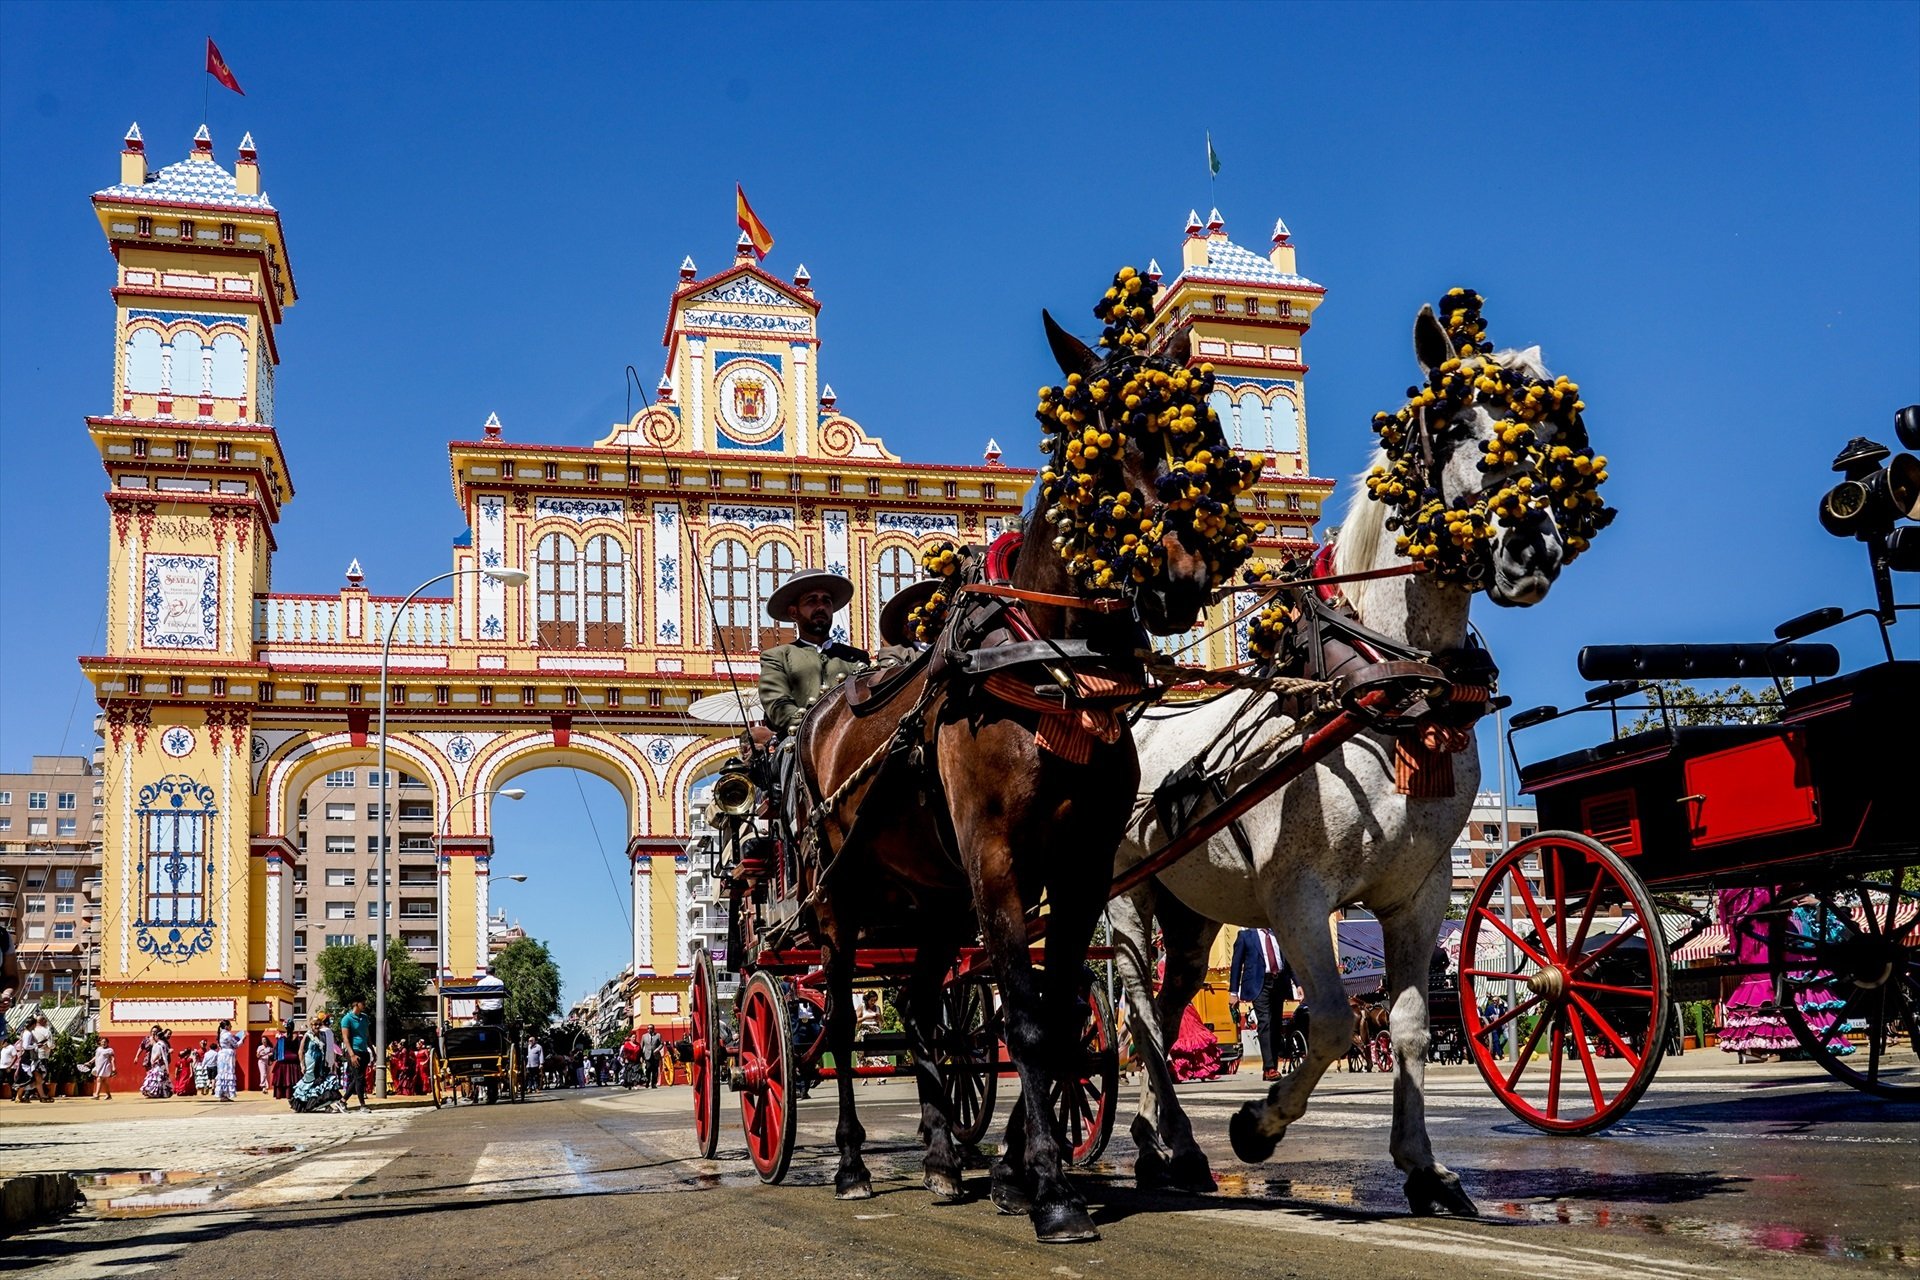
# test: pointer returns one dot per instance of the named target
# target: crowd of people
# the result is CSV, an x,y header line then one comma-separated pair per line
x,y
208,1069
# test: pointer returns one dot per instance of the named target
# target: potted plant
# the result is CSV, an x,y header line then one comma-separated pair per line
x,y
63,1062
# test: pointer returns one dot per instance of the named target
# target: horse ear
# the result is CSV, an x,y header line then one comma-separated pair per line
x,y
1073,355
1430,345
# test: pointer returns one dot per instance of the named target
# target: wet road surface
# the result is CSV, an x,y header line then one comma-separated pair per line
x,y
1723,1170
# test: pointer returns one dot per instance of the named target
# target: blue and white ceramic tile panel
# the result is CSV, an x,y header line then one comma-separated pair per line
x,y
492,537
580,510
919,524
666,561
836,551
1229,263
745,290
749,322
750,515
200,182
175,813
180,602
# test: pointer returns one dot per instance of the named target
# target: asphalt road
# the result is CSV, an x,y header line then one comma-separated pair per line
x,y
1722,1171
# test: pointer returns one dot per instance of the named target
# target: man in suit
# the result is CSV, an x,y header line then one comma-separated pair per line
x,y
795,674
1260,977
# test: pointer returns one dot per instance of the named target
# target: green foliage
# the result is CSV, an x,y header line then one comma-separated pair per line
x,y
347,975
533,982
1690,705
1696,1020
67,1053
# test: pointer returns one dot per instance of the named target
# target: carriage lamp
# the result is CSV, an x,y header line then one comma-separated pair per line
x,y
1873,497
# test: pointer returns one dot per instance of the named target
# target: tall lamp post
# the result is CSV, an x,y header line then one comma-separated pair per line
x,y
440,958
507,577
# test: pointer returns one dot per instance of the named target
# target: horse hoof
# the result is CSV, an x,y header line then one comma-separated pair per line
x,y
1064,1224
852,1189
1437,1190
1243,1132
1191,1172
945,1187
1008,1196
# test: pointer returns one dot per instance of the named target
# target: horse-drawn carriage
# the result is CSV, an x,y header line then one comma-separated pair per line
x,y
1811,817
477,1059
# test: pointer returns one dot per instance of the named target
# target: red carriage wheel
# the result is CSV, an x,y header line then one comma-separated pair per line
x,y
969,1057
768,1109
1380,1053
1845,967
1085,1106
1586,986
703,1039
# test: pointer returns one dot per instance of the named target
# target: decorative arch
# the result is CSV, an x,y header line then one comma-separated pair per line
x,y
603,759
144,340
1285,417
690,770
580,585
297,764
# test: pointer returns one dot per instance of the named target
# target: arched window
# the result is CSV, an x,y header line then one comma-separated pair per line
x,y
732,596
143,361
1249,431
229,367
1222,406
604,590
556,586
189,377
894,571
772,567
1286,425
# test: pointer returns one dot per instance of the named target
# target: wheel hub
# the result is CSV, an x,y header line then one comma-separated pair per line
x,y
1550,982
754,1073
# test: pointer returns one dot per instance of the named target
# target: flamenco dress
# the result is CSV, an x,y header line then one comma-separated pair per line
x,y
1753,1023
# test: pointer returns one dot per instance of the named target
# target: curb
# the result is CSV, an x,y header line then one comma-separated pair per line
x,y
29,1199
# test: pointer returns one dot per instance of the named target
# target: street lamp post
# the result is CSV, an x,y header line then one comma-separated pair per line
x,y
441,959
507,577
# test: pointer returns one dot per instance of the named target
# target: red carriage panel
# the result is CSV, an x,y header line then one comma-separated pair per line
x,y
1756,789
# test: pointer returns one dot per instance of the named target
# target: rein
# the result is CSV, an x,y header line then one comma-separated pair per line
x,y
1281,584
1095,604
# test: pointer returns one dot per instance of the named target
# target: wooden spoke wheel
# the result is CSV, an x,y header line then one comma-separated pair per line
x,y
516,1078
768,1108
969,1057
703,1037
1380,1052
1086,1104
437,1078
1845,966
1587,990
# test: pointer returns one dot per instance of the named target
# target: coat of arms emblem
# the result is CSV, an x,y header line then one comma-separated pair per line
x,y
749,400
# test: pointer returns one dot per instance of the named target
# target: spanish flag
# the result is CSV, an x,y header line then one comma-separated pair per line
x,y
756,230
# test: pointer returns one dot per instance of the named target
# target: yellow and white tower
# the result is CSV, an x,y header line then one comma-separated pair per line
x,y
191,931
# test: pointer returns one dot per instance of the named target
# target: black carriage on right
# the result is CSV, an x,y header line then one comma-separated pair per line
x,y
1811,821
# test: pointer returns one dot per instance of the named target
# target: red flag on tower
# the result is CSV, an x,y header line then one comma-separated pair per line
x,y
756,230
217,68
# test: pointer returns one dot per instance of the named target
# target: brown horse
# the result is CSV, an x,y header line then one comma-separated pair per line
x,y
952,811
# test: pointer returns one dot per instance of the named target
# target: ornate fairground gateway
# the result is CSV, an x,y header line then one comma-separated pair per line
x,y
651,550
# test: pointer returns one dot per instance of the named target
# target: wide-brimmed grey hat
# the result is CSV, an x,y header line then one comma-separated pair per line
x,y
805,580
893,618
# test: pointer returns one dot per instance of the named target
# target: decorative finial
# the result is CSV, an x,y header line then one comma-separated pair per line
x,y
247,150
827,397
1153,270
801,279
1216,225
355,575
686,268
1280,233
743,248
993,452
663,390
203,142
1193,223
134,141
491,429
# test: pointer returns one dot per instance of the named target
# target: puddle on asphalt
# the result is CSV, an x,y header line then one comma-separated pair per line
x,y
271,1151
1765,1237
130,1178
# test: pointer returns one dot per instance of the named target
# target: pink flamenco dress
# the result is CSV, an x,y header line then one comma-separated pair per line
x,y
1753,1024
1195,1055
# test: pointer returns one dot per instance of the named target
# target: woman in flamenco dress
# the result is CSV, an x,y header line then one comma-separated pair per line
x,y
1753,1027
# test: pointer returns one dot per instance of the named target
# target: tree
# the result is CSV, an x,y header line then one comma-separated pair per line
x,y
346,975
533,983
1688,705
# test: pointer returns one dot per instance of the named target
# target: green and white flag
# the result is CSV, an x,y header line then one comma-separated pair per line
x,y
1213,157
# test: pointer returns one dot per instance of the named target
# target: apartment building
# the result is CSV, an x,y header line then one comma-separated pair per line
x,y
1480,842
50,832
336,893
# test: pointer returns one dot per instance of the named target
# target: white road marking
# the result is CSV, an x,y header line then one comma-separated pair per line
x,y
520,1168
321,1178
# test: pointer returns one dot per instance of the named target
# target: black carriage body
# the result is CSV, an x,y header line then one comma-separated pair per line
x,y
1832,786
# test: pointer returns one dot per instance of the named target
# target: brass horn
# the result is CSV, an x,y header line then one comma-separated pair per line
x,y
733,794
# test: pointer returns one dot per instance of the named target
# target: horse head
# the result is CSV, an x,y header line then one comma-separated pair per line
x,y
1140,484
1487,467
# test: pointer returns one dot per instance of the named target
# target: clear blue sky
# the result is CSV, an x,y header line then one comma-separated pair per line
x,y
1708,215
